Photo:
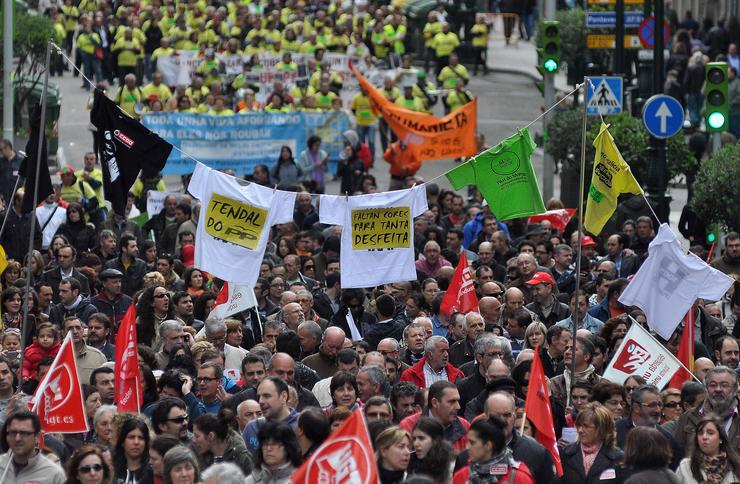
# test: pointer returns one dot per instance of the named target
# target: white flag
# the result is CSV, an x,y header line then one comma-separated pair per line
x,y
641,354
232,299
669,281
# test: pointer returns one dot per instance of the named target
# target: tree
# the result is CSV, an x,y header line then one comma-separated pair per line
x,y
716,189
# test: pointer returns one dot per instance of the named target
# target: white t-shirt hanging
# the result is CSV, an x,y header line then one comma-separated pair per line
x,y
669,281
234,224
377,234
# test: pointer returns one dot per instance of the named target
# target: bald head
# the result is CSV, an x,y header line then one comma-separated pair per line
x,y
288,297
490,309
247,411
497,369
514,298
332,342
701,365
282,365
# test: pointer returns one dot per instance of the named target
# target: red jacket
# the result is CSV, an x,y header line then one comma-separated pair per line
x,y
456,433
33,356
522,476
415,374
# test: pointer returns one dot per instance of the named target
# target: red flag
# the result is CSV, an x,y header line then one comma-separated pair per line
x,y
128,379
537,409
558,218
232,299
58,399
345,456
685,353
460,295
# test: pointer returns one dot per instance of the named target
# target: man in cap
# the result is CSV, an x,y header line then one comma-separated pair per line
x,y
110,300
545,305
77,190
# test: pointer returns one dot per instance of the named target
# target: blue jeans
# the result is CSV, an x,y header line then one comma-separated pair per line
x,y
694,104
91,65
367,135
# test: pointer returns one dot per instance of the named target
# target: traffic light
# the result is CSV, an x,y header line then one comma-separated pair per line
x,y
549,52
717,100
712,234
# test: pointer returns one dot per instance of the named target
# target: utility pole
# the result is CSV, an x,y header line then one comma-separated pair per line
x,y
619,39
548,168
658,173
7,69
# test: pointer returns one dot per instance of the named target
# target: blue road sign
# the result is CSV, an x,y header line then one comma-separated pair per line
x,y
662,116
604,96
596,20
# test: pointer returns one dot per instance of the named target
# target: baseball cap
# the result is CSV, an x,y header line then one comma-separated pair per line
x,y
588,241
66,170
541,278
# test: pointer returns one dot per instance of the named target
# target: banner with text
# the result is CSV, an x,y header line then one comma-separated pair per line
x,y
242,141
641,354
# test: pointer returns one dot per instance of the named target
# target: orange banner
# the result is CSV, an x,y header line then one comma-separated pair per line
x,y
430,138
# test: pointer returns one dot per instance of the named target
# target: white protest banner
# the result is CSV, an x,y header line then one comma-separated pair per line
x,y
177,69
155,202
641,354
232,299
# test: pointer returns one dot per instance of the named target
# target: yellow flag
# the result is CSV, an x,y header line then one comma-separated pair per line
x,y
612,176
3,260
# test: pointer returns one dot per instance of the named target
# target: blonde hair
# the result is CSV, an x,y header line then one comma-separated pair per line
x,y
534,326
598,415
199,347
232,324
390,437
153,279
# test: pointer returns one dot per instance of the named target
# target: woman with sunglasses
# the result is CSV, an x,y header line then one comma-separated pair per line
x,y
153,308
87,466
671,398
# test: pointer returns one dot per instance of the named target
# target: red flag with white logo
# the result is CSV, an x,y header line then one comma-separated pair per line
x,y
538,410
232,299
460,295
58,399
345,456
127,376
558,218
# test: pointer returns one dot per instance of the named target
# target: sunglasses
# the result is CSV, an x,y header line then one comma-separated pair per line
x,y
90,468
163,295
178,420
672,404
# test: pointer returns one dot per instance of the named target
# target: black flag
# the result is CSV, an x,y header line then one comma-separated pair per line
x,y
124,146
28,165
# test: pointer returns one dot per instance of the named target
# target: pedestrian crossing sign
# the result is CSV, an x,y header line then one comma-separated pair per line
x,y
604,96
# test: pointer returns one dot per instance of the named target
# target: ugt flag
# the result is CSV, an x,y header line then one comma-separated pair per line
x,y
346,456
611,177
538,410
58,399
460,295
641,354
127,377
232,299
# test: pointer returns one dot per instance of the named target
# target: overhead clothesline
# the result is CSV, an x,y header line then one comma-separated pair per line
x,y
61,52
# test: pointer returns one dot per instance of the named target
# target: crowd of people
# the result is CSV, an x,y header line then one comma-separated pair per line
x,y
249,398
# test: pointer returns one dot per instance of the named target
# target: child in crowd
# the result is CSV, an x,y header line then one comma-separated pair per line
x,y
46,344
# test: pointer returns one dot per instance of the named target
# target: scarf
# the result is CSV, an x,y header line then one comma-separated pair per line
x,y
480,472
715,467
589,455
386,476
580,376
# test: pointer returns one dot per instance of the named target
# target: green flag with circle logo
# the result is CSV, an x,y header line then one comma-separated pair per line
x,y
505,177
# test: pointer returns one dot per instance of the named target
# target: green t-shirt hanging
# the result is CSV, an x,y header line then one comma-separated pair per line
x,y
505,177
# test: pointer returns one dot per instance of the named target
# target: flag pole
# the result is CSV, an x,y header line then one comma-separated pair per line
x,y
580,235
7,466
39,151
634,321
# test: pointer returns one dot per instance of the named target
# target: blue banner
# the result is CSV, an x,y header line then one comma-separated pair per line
x,y
242,141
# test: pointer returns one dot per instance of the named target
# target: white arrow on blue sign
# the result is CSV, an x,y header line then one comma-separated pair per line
x,y
662,116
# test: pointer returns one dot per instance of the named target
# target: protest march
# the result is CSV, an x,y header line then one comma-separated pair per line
x,y
199,303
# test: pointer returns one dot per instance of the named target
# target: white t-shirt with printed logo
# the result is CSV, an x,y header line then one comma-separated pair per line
x,y
234,224
377,234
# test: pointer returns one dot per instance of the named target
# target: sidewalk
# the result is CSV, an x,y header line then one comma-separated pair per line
x,y
519,58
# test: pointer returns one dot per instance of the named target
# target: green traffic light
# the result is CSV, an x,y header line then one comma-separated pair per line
x,y
710,237
551,65
716,120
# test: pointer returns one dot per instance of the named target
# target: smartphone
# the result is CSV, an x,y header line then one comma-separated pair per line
x,y
12,354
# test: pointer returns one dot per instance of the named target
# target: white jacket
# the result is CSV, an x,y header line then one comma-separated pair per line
x,y
686,477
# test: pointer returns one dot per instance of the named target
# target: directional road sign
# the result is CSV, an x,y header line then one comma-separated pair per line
x,y
662,116
604,96
646,32
609,19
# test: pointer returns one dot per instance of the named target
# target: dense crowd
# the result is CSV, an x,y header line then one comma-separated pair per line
x,y
250,398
